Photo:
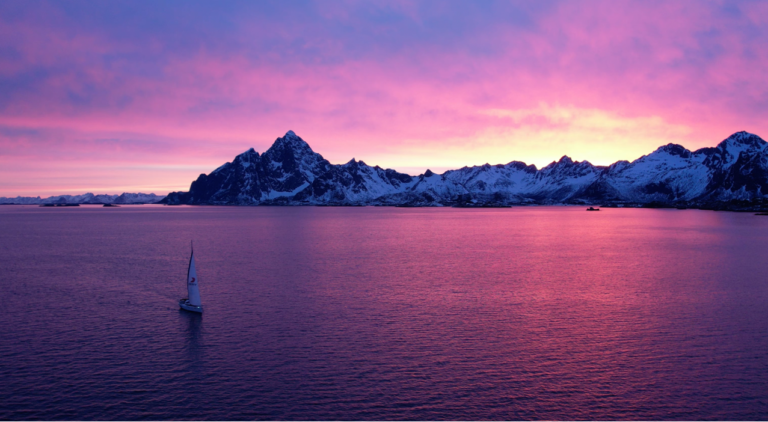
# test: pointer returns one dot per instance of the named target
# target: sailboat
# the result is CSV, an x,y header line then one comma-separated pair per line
x,y
192,301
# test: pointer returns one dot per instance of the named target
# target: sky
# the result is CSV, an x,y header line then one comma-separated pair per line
x,y
125,96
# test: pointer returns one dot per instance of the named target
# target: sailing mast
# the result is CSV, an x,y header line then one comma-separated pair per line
x,y
192,282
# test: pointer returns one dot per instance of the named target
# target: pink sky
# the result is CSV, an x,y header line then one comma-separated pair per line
x,y
112,97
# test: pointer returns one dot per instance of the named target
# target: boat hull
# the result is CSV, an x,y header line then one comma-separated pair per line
x,y
184,304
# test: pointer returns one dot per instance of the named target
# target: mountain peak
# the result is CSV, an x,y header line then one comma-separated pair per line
x,y
743,138
292,141
674,149
247,156
291,136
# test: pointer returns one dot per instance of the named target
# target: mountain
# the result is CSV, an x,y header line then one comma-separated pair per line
x,y
88,198
291,173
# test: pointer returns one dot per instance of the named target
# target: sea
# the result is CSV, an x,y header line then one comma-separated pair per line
x,y
382,313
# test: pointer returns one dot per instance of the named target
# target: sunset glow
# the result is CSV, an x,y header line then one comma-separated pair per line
x,y
112,97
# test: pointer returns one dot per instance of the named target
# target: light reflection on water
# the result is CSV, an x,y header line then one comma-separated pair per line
x,y
383,313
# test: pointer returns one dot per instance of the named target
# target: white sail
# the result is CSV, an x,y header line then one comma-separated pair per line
x,y
192,282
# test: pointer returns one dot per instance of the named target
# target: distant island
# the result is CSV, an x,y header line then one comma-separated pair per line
x,y
88,198
731,176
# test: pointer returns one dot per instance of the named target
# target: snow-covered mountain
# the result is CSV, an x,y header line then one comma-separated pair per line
x,y
290,173
88,198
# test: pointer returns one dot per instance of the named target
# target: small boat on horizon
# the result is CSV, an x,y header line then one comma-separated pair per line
x,y
192,302
593,209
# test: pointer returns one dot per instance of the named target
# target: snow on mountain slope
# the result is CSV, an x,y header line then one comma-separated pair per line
x,y
739,168
355,182
669,173
513,182
137,198
290,172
